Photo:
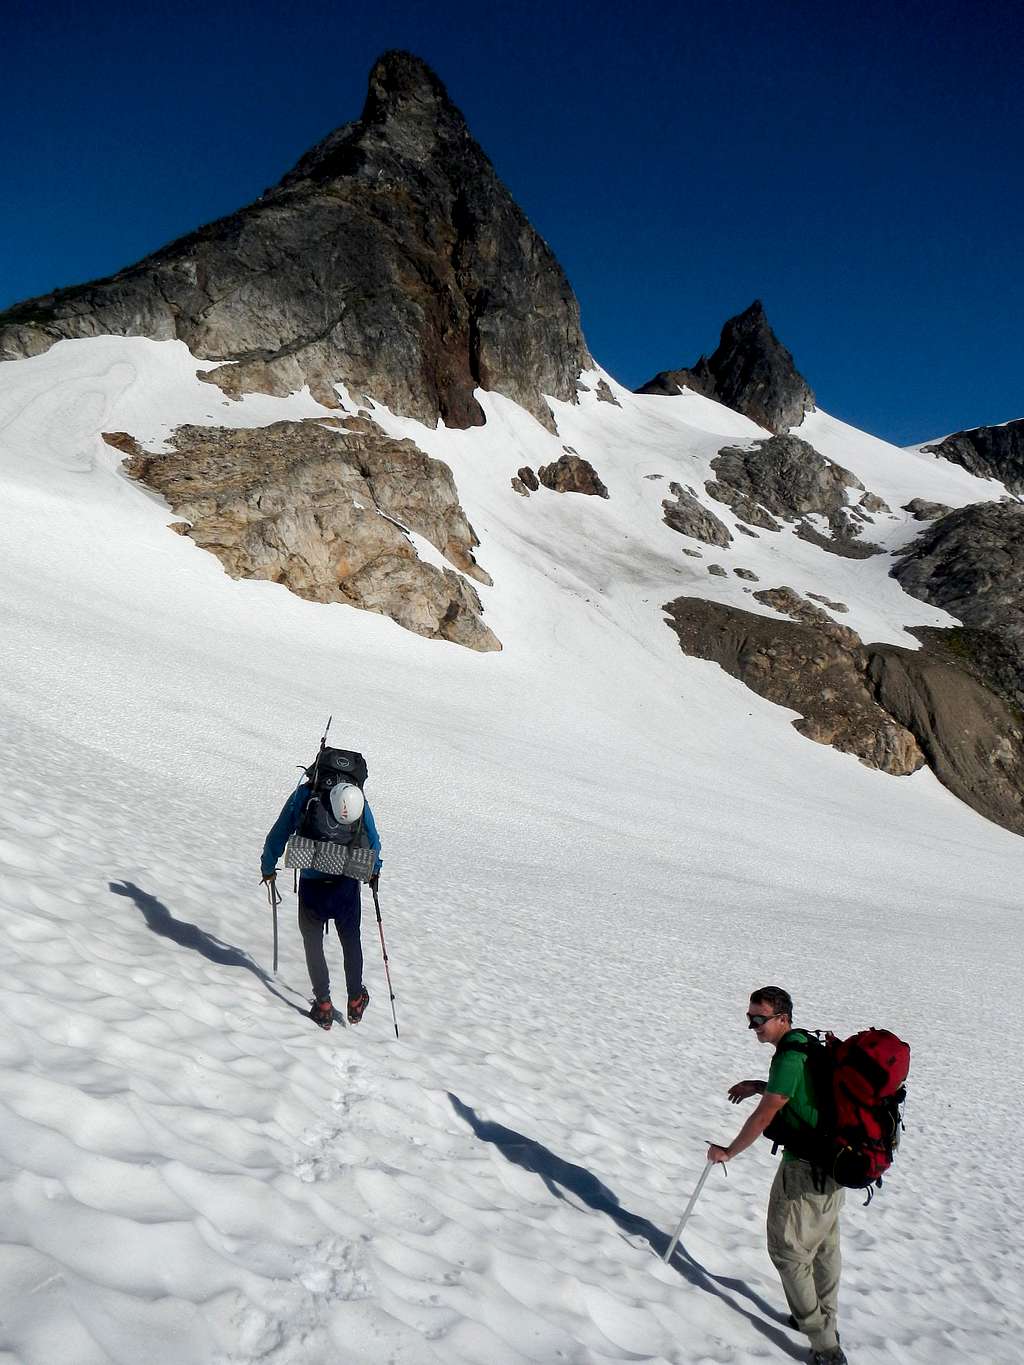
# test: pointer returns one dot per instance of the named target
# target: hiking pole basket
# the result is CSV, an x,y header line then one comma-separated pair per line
x,y
384,952
689,1209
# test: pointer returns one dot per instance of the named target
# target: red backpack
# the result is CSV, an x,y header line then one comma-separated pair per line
x,y
860,1085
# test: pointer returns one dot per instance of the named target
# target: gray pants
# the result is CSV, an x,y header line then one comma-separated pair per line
x,y
803,1243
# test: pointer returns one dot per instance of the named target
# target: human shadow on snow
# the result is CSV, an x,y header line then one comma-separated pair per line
x,y
162,922
563,1179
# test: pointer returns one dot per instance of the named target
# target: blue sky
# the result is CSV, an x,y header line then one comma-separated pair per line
x,y
859,170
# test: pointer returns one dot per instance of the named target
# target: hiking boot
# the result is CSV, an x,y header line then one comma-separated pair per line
x,y
322,1012
837,1356
357,1006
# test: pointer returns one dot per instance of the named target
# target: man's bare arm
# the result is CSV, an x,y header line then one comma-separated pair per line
x,y
751,1130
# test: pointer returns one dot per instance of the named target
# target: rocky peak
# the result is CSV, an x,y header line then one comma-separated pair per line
x,y
751,372
407,115
391,258
403,85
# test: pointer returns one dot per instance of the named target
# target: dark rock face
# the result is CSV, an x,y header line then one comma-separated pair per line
x,y
784,477
815,668
572,474
893,708
322,509
529,478
843,542
973,741
989,452
391,258
992,659
971,563
687,515
751,372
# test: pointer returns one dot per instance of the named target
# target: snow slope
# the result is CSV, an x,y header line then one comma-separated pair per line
x,y
594,848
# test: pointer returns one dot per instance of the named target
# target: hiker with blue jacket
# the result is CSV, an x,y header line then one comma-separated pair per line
x,y
333,815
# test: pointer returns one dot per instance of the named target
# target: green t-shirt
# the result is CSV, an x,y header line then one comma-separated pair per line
x,y
788,1075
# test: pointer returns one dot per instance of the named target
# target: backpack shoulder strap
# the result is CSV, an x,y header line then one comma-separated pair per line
x,y
791,1044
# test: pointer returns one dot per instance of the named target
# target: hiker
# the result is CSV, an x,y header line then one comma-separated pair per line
x,y
804,1204
323,897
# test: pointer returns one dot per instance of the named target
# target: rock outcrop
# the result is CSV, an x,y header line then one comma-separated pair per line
x,y
988,452
785,479
971,563
685,513
325,509
751,372
818,669
990,657
973,740
895,709
391,258
572,474
923,510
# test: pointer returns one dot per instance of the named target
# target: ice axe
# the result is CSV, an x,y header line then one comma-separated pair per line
x,y
689,1209
274,897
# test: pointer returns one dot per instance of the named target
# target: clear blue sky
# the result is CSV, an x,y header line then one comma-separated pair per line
x,y
859,168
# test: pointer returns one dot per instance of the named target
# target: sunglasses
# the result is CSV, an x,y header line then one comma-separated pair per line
x,y
756,1020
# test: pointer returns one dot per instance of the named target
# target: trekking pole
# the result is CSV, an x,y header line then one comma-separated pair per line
x,y
274,897
689,1209
384,951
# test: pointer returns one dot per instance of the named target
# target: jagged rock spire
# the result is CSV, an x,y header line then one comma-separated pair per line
x,y
391,258
751,371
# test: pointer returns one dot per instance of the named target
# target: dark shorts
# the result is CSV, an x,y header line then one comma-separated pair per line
x,y
329,897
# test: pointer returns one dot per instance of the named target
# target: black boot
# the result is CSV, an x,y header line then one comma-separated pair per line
x,y
357,1006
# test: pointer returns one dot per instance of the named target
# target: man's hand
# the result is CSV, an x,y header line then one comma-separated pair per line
x,y
743,1090
269,876
374,881
717,1154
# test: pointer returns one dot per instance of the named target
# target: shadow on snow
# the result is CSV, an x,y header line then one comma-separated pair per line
x,y
162,922
564,1179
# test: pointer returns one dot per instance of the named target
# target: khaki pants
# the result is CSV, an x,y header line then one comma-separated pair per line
x,y
803,1243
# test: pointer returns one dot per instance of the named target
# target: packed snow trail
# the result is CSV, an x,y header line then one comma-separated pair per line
x,y
593,849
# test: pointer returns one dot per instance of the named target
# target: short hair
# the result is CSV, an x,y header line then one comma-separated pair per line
x,y
780,1001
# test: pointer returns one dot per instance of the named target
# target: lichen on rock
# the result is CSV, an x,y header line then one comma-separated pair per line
x,y
325,511
572,474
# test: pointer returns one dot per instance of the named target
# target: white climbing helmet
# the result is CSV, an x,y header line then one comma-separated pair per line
x,y
346,803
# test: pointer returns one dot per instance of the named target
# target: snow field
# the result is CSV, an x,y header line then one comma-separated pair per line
x,y
594,848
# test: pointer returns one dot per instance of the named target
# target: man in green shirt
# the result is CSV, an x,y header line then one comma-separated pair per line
x,y
804,1204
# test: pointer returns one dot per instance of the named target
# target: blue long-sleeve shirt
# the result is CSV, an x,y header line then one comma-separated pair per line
x,y
288,822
